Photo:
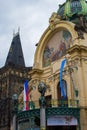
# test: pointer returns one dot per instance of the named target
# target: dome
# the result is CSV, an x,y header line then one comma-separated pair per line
x,y
72,8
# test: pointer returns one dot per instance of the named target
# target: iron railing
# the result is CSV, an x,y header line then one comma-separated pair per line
x,y
50,103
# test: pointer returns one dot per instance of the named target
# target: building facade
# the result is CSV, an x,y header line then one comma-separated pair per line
x,y
12,77
60,58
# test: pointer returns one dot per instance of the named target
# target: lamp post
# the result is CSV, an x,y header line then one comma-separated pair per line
x,y
42,103
15,99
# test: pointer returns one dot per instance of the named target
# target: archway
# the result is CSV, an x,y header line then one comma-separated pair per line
x,y
62,99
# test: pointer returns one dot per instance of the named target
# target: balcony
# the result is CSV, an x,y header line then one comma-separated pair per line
x,y
51,103
54,107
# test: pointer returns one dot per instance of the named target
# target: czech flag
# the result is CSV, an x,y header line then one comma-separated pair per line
x,y
26,99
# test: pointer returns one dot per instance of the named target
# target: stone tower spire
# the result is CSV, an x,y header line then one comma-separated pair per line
x,y
15,55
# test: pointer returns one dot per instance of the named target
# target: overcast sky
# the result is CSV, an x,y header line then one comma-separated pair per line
x,y
32,16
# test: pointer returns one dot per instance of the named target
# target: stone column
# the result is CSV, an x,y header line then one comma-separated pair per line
x,y
42,103
42,119
14,122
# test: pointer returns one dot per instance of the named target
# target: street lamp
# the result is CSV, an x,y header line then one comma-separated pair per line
x,y
15,109
42,103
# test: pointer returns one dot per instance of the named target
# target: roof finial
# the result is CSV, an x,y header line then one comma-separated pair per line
x,y
18,29
13,33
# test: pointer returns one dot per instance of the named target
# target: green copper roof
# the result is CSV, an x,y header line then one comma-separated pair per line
x,y
72,7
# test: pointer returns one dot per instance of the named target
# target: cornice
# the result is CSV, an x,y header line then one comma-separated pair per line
x,y
35,70
77,48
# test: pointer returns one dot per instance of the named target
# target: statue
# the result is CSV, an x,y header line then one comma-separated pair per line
x,y
81,26
42,90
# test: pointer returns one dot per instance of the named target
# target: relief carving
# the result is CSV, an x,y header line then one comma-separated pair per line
x,y
55,18
81,26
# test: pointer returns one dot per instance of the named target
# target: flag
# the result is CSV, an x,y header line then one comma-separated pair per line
x,y
26,100
61,85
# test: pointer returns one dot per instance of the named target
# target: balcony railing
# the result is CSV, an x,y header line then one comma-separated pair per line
x,y
51,103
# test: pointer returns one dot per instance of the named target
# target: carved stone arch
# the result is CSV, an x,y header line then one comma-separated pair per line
x,y
38,58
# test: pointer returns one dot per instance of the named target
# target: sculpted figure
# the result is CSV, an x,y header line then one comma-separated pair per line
x,y
55,18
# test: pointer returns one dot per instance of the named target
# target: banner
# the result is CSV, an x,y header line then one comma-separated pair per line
x,y
26,99
61,85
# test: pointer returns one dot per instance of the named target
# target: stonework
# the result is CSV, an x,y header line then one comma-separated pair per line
x,y
74,72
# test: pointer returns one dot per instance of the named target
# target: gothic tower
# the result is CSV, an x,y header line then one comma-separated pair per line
x,y
15,55
12,77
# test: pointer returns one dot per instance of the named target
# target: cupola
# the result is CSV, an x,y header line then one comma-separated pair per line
x,y
72,9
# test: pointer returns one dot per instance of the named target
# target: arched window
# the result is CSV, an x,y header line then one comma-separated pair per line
x,y
62,93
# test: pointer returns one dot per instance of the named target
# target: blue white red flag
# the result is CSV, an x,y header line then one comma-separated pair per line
x,y
26,99
61,85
